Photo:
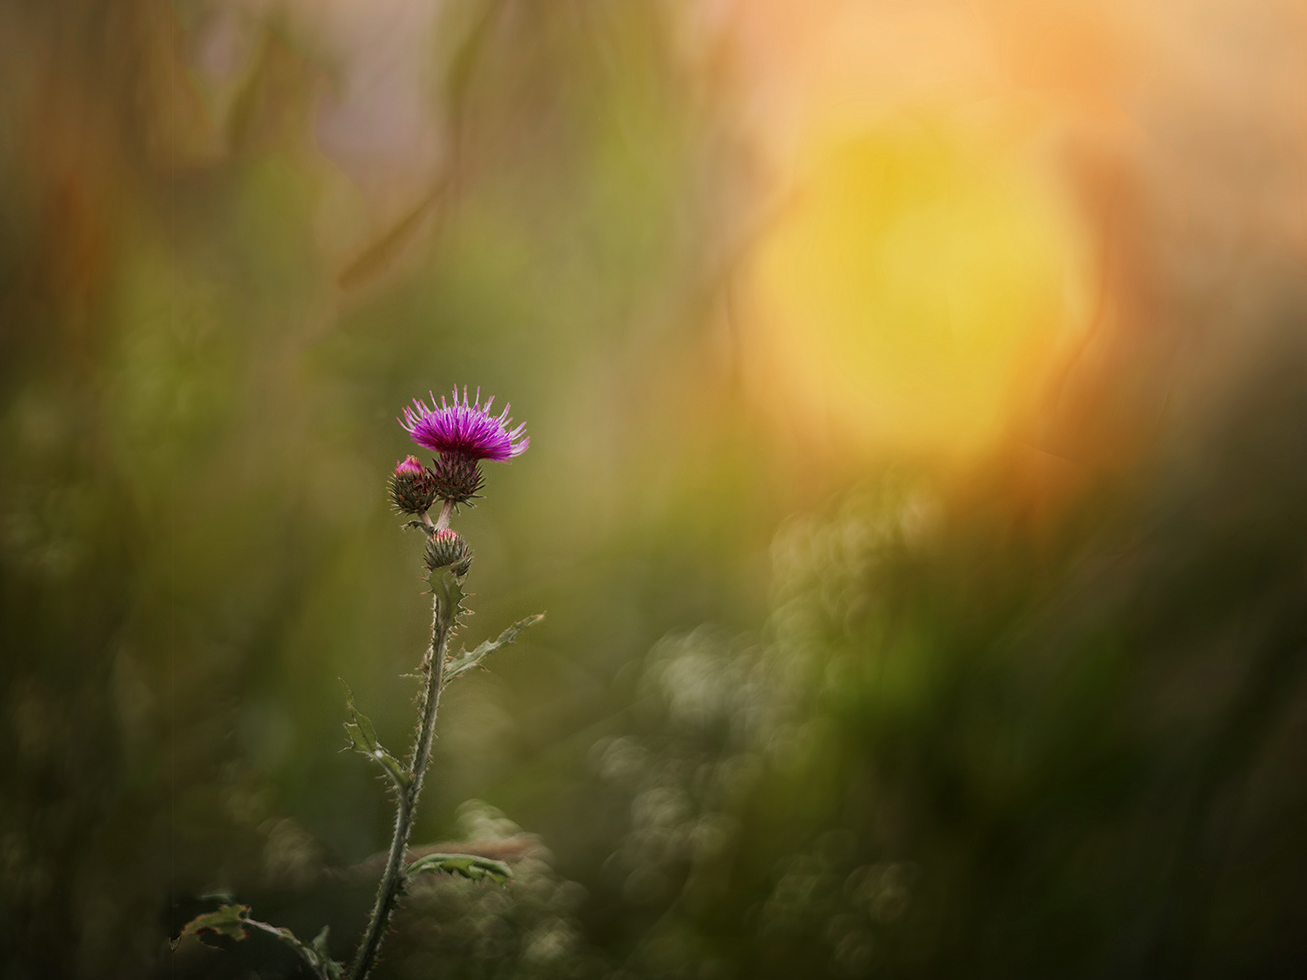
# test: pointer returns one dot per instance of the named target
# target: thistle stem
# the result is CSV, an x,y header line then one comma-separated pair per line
x,y
442,521
443,614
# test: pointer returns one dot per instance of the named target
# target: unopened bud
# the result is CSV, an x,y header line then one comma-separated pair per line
x,y
409,466
413,487
447,548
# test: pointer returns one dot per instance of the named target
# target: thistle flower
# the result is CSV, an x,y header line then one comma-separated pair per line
x,y
462,435
413,487
466,428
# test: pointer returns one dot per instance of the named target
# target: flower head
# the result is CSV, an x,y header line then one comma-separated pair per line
x,y
466,428
456,477
413,487
446,548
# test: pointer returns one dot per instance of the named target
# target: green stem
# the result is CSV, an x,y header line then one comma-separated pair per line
x,y
442,521
443,613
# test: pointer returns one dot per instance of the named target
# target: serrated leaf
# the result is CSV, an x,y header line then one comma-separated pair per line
x,y
315,955
468,865
448,590
233,921
229,921
334,970
363,740
465,661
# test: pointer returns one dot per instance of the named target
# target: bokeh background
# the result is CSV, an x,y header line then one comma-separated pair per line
x,y
917,488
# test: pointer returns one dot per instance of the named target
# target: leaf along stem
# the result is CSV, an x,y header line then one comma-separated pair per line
x,y
444,611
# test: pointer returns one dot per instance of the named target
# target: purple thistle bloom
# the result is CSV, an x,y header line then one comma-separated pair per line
x,y
466,428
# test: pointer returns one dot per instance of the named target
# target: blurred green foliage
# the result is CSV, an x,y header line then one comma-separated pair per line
x,y
198,421
972,742
916,732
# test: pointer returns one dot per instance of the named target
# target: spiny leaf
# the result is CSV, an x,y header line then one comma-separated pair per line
x,y
334,970
448,590
234,920
229,921
465,661
363,740
468,865
315,954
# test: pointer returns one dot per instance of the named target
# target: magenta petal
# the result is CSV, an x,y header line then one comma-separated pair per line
x,y
408,466
465,427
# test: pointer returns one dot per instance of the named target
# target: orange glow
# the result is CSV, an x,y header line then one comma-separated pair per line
x,y
908,295
967,205
919,263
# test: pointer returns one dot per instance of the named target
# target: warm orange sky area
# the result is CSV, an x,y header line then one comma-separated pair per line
x,y
958,221
970,211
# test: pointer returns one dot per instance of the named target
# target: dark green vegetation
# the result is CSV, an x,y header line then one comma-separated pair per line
x,y
927,728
